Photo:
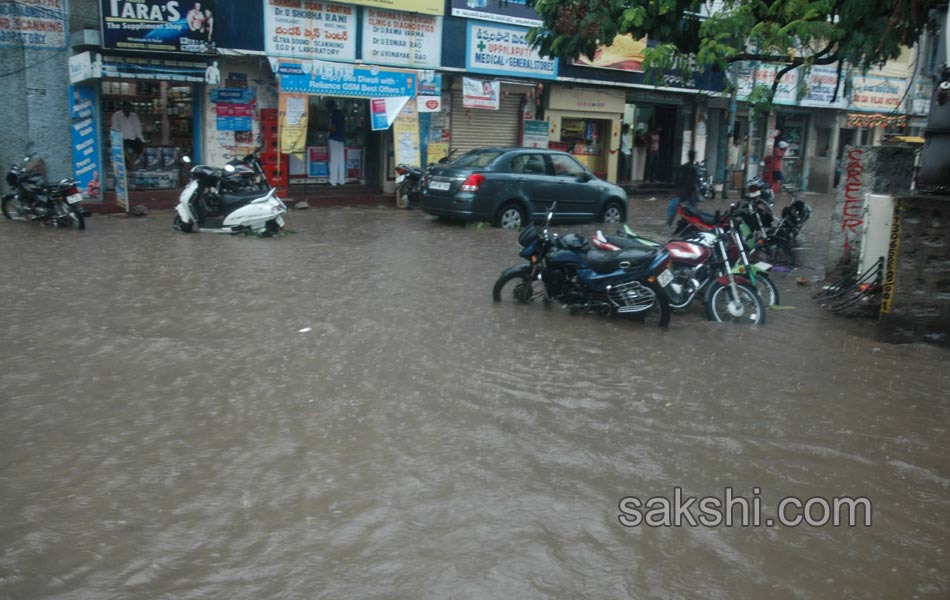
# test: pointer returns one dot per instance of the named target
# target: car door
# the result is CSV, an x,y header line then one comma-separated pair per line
x,y
575,189
537,185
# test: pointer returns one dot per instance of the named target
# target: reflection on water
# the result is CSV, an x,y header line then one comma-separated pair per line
x,y
167,432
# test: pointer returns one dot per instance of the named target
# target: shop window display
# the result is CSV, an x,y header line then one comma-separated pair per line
x,y
164,112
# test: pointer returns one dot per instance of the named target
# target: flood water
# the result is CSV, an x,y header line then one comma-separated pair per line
x,y
168,431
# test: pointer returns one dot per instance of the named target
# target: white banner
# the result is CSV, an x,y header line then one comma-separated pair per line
x,y
310,29
821,82
505,50
401,38
480,93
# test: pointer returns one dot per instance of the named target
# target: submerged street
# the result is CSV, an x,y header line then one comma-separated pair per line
x,y
343,412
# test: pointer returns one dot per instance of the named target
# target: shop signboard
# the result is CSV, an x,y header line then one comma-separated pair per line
x,y
310,29
33,25
159,25
764,74
400,38
535,134
429,7
120,181
335,79
85,125
512,12
879,94
504,50
821,82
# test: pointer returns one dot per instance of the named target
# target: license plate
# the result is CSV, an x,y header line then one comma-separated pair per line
x,y
440,185
665,278
762,266
280,221
74,198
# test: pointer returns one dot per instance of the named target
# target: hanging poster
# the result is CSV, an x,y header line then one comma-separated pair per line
x,y
310,29
505,50
406,136
401,38
480,93
120,181
85,124
385,110
33,24
159,25
292,116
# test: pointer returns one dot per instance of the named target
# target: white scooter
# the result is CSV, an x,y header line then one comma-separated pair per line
x,y
232,199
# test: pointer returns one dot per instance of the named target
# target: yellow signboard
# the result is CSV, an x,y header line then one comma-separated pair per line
x,y
428,7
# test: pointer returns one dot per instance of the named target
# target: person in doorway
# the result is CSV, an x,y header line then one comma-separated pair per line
x,y
686,190
652,141
129,125
335,142
623,170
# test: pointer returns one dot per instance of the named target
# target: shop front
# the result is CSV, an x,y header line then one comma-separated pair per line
x,y
585,122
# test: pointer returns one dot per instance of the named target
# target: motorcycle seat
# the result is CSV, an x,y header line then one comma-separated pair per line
x,y
241,197
629,243
703,217
602,262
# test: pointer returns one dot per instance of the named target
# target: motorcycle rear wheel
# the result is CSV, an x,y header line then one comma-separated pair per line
x,y
748,308
72,216
659,313
182,226
767,289
11,208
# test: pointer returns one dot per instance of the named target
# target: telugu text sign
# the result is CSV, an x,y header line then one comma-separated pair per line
x,y
33,24
505,50
310,29
400,38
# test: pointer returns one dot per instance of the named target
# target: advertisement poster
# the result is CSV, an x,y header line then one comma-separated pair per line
x,y
505,50
385,110
401,38
882,94
33,25
625,54
535,134
480,93
292,115
821,83
318,162
406,136
310,29
335,79
512,12
159,25
120,181
85,124
428,104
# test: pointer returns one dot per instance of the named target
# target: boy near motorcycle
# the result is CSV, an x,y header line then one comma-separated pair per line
x,y
686,184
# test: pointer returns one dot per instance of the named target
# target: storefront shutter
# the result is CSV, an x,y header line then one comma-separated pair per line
x,y
475,128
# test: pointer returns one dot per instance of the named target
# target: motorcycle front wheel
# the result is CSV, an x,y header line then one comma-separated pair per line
x,y
519,287
723,307
12,209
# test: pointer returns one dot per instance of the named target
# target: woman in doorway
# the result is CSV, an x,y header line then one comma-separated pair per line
x,y
336,139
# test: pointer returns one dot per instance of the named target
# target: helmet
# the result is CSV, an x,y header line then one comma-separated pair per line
x,y
575,242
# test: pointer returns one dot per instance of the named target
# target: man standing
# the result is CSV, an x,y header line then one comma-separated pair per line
x,y
623,170
336,140
652,140
774,175
127,122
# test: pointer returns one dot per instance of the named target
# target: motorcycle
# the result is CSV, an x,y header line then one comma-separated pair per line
x,y
704,186
231,199
31,198
410,181
567,270
711,264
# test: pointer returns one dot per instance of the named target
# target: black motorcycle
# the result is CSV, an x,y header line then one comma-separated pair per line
x,y
32,199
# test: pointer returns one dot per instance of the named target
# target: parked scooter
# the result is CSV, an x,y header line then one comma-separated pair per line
x,y
231,199
31,198
410,182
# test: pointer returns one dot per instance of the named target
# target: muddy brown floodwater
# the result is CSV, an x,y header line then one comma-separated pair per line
x,y
167,430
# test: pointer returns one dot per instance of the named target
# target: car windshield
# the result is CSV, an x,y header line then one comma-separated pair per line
x,y
477,158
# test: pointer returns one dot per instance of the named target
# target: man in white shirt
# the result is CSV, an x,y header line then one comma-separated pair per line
x,y
623,169
127,122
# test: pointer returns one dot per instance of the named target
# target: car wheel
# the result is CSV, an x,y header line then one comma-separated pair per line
x,y
612,213
511,216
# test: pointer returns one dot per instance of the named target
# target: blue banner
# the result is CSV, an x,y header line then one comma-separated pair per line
x,y
120,180
352,81
85,125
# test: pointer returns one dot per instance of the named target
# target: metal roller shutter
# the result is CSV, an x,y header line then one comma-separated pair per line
x,y
475,128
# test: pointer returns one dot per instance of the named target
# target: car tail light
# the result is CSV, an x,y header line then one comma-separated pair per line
x,y
472,183
72,190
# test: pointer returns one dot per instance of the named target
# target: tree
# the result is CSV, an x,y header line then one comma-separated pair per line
x,y
787,33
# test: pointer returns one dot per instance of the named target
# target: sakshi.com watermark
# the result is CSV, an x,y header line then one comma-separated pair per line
x,y
736,510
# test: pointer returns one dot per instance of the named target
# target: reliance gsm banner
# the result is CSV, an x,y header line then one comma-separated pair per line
x,y
33,24
310,29
504,50
401,38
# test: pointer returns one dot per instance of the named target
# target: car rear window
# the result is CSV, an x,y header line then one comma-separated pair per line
x,y
477,158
